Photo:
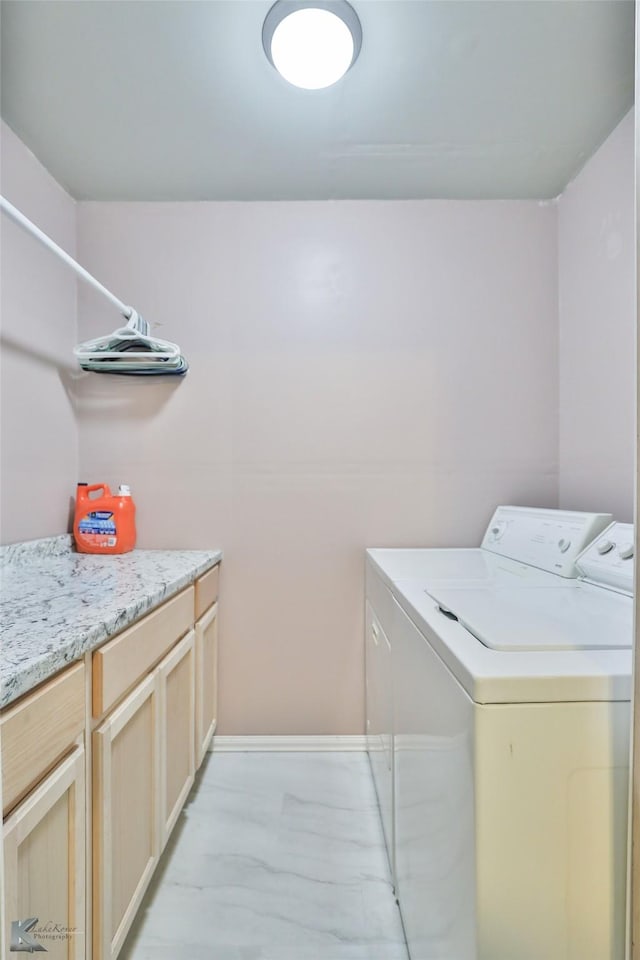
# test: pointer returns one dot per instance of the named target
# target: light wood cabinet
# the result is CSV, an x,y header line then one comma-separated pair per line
x,y
44,861
126,842
206,680
145,709
177,731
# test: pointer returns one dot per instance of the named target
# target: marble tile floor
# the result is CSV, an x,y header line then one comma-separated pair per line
x,y
277,856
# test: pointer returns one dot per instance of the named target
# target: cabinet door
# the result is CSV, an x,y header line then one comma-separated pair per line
x,y
177,731
126,789
44,861
206,680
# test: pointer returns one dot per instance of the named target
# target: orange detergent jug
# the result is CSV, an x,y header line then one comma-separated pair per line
x,y
104,523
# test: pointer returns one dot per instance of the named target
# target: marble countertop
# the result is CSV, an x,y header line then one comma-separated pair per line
x,y
56,604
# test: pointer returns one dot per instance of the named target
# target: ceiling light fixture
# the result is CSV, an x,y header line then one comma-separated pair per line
x,y
312,43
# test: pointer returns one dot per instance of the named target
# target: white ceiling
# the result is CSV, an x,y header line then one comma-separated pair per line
x,y
450,98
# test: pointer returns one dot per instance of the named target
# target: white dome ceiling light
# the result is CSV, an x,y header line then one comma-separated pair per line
x,y
312,43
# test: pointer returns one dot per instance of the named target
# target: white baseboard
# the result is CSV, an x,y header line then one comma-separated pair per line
x,y
288,744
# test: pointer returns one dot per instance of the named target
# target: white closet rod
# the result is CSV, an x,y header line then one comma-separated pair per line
x,y
36,232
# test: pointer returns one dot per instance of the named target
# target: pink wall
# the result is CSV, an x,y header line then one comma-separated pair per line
x,y
362,373
38,433
597,317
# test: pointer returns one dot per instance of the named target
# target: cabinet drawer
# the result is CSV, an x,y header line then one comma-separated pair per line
x,y
125,659
207,590
38,730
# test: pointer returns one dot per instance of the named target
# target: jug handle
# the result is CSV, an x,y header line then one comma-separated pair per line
x,y
98,486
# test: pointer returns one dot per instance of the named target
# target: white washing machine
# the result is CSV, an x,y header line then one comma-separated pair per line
x,y
510,714
527,546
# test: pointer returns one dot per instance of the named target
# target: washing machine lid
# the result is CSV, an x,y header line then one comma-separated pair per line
x,y
583,618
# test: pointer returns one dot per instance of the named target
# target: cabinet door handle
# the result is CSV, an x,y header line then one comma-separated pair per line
x,y
375,633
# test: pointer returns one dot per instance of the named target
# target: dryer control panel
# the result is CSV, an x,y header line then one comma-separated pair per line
x,y
548,539
609,560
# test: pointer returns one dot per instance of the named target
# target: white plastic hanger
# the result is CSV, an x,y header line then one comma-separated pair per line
x,y
115,345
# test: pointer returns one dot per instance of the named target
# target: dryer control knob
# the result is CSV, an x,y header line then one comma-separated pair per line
x,y
626,551
605,546
563,545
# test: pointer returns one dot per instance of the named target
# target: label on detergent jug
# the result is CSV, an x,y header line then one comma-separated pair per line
x,y
99,528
